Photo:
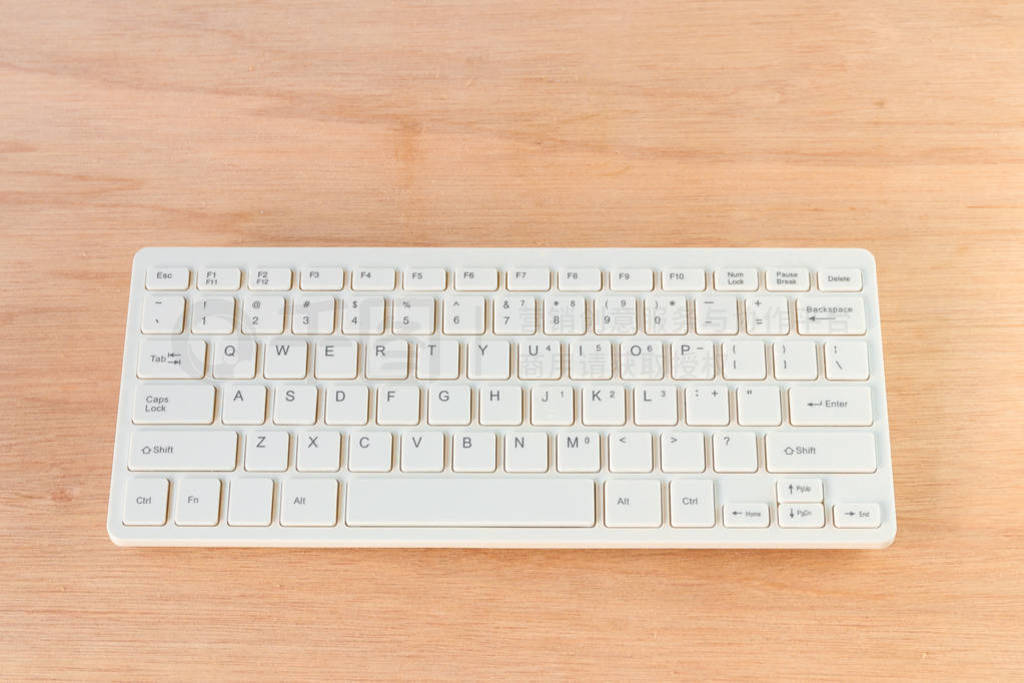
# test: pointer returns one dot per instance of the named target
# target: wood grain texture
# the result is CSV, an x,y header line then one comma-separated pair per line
x,y
895,126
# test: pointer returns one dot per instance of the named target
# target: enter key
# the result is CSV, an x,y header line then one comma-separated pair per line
x,y
830,406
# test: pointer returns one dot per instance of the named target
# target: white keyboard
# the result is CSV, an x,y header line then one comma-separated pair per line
x,y
503,397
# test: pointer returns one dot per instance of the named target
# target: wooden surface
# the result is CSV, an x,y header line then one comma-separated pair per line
x,y
895,126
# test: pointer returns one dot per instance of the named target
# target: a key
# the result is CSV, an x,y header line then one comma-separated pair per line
x,y
630,452
422,451
615,315
223,279
707,405
795,360
387,359
471,502
465,315
604,405
682,452
313,314
735,452
266,451
318,451
579,279
197,502
802,515
831,315
736,279
857,515
398,405
183,451
295,404
655,404
285,360
590,360
270,279
488,359
213,315
799,491
526,452
540,360
449,404
835,406
578,452
641,359
693,360
173,404
369,451
473,452
163,314
171,359
519,279
565,315
337,359
172,278
767,315
820,452
425,279
745,515
376,279
363,315
346,404
632,503
759,406
551,405
632,279
243,404
413,315
787,279
665,315
500,404
263,315
476,279
515,315
716,314
743,360
322,278
309,502
437,359
145,502
234,359
250,502
682,280
846,360
692,503
840,280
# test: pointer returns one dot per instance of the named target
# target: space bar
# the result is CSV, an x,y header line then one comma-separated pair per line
x,y
471,502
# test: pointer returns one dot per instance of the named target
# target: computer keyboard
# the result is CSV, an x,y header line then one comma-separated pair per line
x,y
503,397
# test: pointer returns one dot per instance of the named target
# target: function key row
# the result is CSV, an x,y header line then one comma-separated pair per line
x,y
530,279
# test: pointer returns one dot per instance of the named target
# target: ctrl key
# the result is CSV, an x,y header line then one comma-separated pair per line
x,y
692,502
145,502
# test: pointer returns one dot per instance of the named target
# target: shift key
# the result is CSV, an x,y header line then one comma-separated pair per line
x,y
173,404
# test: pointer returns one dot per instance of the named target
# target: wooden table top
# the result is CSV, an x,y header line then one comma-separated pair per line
x,y
895,126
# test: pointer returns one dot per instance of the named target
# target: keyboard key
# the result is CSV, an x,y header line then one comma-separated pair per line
x,y
337,359
840,280
270,279
736,279
565,315
614,315
197,502
655,404
604,406
244,404
642,359
183,451
363,315
173,278
767,315
526,452
285,360
263,315
515,315
413,315
735,452
828,315
346,404
318,451
163,314
846,360
223,279
473,452
857,515
824,452
387,359
746,515
476,279
422,451
665,315
588,360
425,279
250,502
476,502
540,360
692,502
632,279
213,315
173,404
488,359
375,279
313,314
266,451
295,404
802,515
834,406
551,405
682,452
528,279
309,502
743,360
707,405
398,405
759,405
465,315
682,280
145,502
500,405
693,360
630,452
369,451
235,359
437,359
449,404
795,360
579,279
799,491
578,452
322,279
717,314
632,503
787,279
172,359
